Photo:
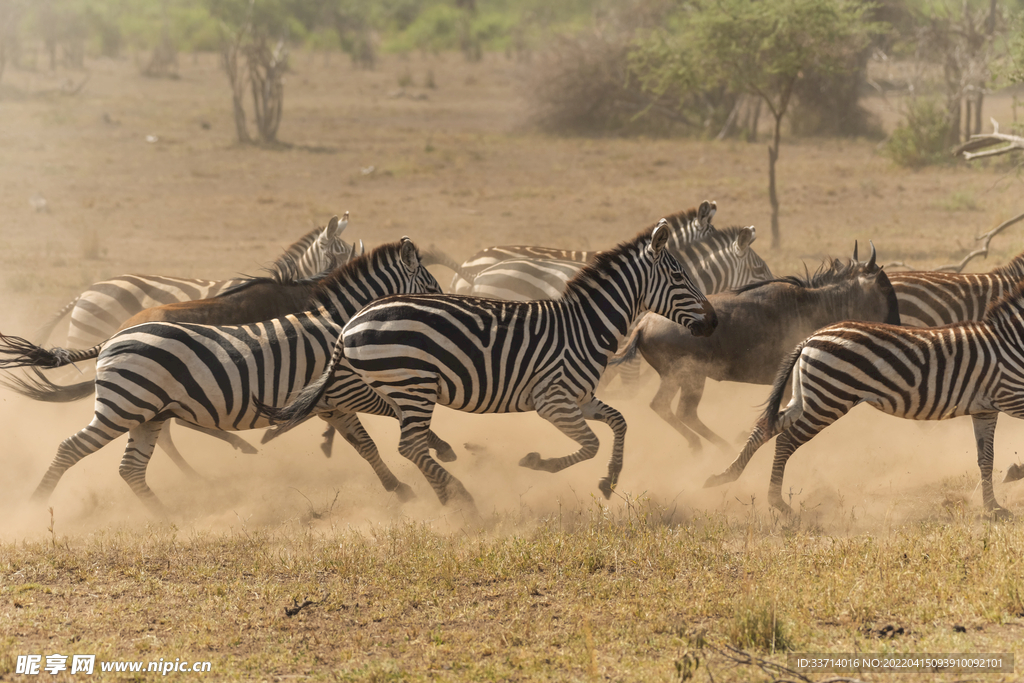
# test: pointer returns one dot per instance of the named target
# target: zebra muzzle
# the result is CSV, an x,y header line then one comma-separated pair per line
x,y
705,322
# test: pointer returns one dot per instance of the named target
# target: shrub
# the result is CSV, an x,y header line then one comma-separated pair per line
x,y
920,139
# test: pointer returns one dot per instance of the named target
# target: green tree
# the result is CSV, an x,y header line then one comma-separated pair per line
x,y
762,49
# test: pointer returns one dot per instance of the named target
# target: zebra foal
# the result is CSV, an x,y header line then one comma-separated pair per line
x,y
489,356
216,376
971,368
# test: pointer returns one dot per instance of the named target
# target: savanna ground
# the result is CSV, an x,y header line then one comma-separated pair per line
x,y
559,584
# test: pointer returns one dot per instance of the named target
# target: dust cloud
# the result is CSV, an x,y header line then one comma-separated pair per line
x,y
868,472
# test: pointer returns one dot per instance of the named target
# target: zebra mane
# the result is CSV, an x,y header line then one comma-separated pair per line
x,y
684,222
604,261
285,270
829,272
363,265
1010,304
1015,268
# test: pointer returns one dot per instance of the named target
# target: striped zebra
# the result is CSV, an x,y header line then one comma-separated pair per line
x,y
98,312
935,373
489,356
931,298
215,376
719,260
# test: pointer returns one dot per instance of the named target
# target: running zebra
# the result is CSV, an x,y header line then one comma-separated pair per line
x,y
98,312
215,376
489,356
931,298
719,260
971,368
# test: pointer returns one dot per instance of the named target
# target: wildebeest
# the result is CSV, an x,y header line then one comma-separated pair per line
x,y
757,326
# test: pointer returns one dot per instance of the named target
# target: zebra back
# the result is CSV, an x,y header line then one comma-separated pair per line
x,y
98,311
932,298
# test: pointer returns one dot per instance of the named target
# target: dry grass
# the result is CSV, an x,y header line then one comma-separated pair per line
x,y
586,593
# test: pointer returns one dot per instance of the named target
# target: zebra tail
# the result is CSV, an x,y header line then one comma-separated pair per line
x,y
301,407
16,352
771,411
628,354
433,256
42,389
44,332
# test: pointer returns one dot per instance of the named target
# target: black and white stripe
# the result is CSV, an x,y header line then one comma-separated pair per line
x,y
489,356
717,260
972,368
217,376
99,311
932,298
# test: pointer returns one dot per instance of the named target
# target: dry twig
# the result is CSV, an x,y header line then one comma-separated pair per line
x,y
983,140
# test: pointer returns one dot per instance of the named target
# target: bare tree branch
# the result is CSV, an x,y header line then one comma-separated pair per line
x,y
983,249
982,140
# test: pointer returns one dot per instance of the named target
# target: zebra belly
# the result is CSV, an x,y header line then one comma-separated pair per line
x,y
206,375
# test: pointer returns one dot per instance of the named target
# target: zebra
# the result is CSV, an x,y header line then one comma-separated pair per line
x,y
720,260
932,298
215,376
489,356
98,312
934,373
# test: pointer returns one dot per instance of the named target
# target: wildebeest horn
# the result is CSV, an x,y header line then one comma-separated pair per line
x,y
855,251
871,261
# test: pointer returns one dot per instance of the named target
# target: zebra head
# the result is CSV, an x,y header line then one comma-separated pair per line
x,y
750,267
420,281
671,292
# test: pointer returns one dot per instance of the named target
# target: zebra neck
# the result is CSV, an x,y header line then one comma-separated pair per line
x,y
341,304
608,311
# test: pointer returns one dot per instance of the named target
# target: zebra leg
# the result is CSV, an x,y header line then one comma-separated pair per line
x,y
167,444
558,408
237,442
984,435
141,442
89,440
686,411
662,405
414,445
352,430
328,443
761,435
602,412
445,453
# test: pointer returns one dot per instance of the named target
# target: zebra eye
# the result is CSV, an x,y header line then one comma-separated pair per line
x,y
677,276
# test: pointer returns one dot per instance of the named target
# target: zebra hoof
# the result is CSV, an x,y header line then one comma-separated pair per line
x,y
446,454
404,493
531,461
606,487
1000,514
718,480
1014,472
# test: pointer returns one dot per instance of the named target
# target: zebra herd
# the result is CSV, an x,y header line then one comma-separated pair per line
x,y
528,329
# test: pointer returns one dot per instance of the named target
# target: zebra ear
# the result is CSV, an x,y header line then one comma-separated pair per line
x,y
745,238
332,228
659,238
410,256
705,213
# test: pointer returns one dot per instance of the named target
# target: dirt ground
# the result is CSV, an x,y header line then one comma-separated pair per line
x,y
143,176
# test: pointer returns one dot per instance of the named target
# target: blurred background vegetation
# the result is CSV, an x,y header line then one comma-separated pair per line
x,y
595,67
